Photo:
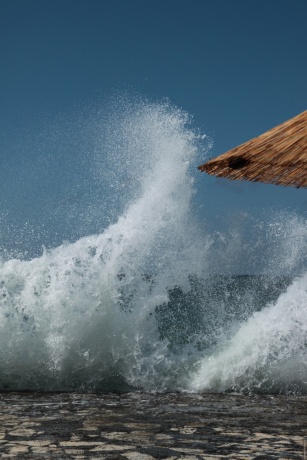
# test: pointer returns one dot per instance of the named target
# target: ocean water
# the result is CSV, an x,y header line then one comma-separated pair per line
x,y
141,296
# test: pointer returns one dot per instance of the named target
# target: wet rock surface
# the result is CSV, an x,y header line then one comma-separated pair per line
x,y
146,426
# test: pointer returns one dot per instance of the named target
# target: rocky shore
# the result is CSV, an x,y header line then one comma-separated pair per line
x,y
146,426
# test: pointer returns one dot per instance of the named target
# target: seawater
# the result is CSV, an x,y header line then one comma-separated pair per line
x,y
144,303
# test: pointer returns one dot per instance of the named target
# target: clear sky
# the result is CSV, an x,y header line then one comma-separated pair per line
x,y
238,66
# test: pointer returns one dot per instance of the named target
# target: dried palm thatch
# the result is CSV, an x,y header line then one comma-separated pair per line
x,y
278,156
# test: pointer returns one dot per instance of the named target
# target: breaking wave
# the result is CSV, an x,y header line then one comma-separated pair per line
x,y
144,302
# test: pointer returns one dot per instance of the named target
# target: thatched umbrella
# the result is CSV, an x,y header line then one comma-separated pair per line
x,y
278,156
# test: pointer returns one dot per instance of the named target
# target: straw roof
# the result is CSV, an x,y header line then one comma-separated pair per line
x,y
279,156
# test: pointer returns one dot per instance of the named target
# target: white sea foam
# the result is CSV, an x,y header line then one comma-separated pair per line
x,y
83,313
269,351
126,306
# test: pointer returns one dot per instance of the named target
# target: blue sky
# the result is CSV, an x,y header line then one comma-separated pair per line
x,y
238,66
